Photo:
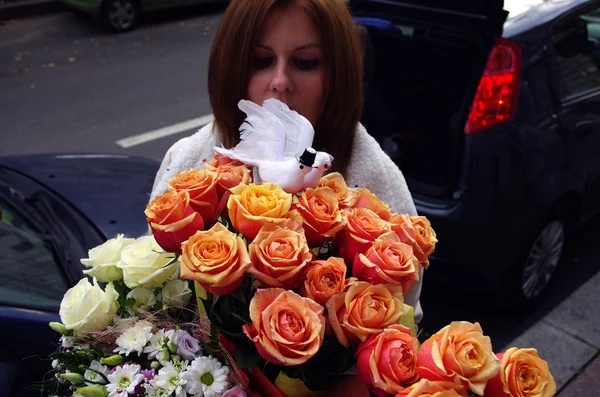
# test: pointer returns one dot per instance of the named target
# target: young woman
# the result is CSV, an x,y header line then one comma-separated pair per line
x,y
307,54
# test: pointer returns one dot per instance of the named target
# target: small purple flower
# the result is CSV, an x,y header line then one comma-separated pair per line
x,y
148,373
187,346
235,392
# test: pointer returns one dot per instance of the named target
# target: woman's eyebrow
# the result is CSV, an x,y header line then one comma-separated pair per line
x,y
302,47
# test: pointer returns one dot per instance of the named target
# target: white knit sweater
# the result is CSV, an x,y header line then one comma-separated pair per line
x,y
369,167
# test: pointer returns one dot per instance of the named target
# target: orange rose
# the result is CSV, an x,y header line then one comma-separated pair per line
x,y
252,206
335,181
229,176
415,231
388,360
202,187
459,353
522,374
426,388
172,219
216,258
279,254
388,261
321,214
325,279
286,328
363,226
220,159
363,310
366,199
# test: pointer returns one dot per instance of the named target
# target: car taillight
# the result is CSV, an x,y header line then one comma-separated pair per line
x,y
498,91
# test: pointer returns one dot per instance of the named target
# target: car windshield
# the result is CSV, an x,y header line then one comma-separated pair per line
x,y
29,274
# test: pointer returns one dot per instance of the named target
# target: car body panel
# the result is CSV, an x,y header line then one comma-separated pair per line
x,y
112,190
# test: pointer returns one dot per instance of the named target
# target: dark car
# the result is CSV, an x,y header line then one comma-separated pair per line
x,y
494,119
53,209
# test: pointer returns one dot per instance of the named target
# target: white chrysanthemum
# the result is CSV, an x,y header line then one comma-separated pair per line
x,y
133,339
124,380
169,378
159,341
152,391
206,377
92,376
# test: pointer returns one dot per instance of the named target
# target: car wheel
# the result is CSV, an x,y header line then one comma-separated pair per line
x,y
532,272
120,15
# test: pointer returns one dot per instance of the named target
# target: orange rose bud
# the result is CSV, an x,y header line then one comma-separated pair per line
x,y
388,360
362,228
172,219
229,176
335,181
366,199
364,309
415,231
279,254
522,374
252,206
286,328
216,258
202,187
427,388
324,279
459,353
220,159
388,261
321,215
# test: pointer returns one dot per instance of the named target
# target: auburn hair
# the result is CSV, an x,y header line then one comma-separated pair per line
x,y
232,56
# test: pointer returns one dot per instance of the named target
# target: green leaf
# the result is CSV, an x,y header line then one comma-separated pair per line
x,y
245,357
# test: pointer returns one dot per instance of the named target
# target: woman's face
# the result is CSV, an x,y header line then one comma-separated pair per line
x,y
288,63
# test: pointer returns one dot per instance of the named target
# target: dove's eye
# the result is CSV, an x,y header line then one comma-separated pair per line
x,y
301,167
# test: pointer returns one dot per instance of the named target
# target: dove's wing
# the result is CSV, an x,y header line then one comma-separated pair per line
x,y
262,134
299,132
238,155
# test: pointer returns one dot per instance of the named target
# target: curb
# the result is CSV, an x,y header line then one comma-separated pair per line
x,y
24,9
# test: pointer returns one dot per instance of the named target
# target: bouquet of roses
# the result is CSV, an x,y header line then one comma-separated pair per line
x,y
248,288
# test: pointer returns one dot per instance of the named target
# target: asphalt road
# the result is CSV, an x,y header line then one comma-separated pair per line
x,y
67,86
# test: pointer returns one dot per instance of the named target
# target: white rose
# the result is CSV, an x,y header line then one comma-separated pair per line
x,y
145,264
103,259
176,293
144,299
85,307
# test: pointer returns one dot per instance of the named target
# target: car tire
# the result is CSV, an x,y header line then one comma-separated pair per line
x,y
527,281
120,15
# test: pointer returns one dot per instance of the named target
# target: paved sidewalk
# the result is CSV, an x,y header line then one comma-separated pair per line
x,y
568,338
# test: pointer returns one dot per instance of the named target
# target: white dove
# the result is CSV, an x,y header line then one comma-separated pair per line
x,y
272,139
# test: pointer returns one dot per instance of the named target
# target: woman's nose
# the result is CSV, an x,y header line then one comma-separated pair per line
x,y
281,79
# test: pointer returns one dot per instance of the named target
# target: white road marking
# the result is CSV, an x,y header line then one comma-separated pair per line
x,y
165,131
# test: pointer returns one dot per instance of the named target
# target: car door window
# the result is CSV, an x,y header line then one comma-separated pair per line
x,y
29,274
576,59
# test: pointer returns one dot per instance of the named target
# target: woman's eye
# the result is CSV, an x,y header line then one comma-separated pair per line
x,y
263,62
306,64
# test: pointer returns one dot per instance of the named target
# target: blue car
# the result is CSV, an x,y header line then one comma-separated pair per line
x,y
53,209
